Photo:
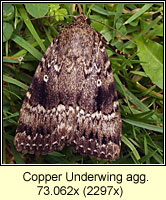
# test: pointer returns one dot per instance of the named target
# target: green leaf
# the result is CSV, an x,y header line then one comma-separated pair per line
x,y
151,56
23,43
96,25
134,23
68,7
11,116
10,60
139,73
144,125
22,52
30,26
8,12
12,93
131,146
53,8
137,14
157,31
15,82
118,12
7,31
57,154
97,8
147,28
17,157
37,10
129,95
62,11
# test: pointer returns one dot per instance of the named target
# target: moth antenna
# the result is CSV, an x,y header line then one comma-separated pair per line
x,y
88,21
113,29
117,51
53,16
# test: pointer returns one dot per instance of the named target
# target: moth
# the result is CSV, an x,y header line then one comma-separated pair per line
x,y
72,99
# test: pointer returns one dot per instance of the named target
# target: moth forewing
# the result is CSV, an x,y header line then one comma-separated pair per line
x,y
72,99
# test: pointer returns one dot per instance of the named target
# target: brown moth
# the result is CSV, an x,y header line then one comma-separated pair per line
x,y
72,99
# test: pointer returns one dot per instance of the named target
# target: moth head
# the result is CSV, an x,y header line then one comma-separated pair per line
x,y
81,19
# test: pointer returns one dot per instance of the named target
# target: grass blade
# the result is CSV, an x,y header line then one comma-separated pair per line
x,y
24,44
139,13
15,82
131,146
144,125
30,26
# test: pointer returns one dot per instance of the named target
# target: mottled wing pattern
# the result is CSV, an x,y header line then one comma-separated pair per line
x,y
72,99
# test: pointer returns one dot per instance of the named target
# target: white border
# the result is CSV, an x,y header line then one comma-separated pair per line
x,y
116,2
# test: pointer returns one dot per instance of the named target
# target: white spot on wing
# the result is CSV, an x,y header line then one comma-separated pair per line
x,y
99,83
45,78
49,65
28,95
29,137
107,64
82,112
57,68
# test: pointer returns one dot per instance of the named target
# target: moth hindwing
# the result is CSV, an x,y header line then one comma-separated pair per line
x,y
72,99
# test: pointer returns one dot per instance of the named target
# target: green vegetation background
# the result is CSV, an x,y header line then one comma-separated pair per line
x,y
139,79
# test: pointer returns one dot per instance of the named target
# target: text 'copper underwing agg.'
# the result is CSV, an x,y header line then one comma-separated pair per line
x,y
72,99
